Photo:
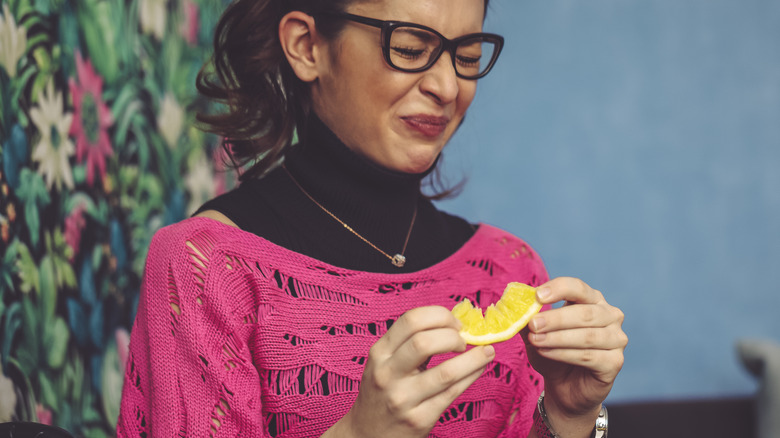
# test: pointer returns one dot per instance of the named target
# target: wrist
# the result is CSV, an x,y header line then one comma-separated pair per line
x,y
341,429
550,421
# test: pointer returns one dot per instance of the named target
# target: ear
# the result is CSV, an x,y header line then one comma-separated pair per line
x,y
298,36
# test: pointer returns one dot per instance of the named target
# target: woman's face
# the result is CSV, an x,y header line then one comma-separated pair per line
x,y
398,120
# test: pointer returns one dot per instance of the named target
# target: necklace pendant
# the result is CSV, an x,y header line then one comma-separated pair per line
x,y
399,260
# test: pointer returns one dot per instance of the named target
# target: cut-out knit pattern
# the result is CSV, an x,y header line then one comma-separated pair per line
x,y
236,336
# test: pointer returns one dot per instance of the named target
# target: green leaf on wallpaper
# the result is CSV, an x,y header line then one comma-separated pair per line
x,y
79,199
89,412
128,176
66,418
28,270
62,253
79,173
99,36
97,210
32,192
139,127
124,118
95,432
65,384
48,296
48,394
125,108
176,71
12,320
46,68
33,221
18,85
97,257
55,341
28,351
65,269
73,374
128,93
8,268
112,383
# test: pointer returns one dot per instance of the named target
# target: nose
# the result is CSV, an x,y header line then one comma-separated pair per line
x,y
440,81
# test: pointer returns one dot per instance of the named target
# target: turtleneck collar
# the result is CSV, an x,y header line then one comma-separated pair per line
x,y
357,190
321,153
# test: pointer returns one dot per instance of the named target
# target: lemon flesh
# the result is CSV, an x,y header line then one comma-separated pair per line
x,y
501,320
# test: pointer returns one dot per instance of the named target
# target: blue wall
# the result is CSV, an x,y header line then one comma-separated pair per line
x,y
637,145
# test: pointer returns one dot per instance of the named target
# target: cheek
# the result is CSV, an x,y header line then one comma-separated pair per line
x,y
468,90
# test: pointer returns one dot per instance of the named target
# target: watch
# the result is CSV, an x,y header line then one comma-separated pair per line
x,y
544,429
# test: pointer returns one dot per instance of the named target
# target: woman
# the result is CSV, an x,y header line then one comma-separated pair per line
x,y
313,300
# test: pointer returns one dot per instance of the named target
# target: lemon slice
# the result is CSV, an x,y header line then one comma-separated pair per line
x,y
501,320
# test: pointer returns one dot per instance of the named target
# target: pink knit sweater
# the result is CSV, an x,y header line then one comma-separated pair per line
x,y
236,336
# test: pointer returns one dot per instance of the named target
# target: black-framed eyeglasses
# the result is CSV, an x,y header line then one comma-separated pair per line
x,y
412,48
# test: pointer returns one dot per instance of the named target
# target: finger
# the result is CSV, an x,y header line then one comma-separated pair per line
x,y
572,290
422,414
607,338
411,322
422,345
575,316
606,363
439,402
451,372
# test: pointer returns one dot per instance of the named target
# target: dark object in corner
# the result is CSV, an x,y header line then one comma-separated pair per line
x,y
715,418
19,429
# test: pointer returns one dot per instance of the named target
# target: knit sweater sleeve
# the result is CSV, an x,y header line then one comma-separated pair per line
x,y
189,371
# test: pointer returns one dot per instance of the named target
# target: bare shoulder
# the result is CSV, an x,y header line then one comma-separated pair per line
x,y
217,216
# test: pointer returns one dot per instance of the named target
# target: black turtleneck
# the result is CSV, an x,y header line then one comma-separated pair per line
x,y
375,202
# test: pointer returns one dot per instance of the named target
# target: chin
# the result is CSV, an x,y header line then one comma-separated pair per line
x,y
419,163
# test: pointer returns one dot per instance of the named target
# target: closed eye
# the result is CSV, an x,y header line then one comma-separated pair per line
x,y
408,53
468,61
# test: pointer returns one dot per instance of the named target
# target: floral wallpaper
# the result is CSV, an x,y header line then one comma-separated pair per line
x,y
99,149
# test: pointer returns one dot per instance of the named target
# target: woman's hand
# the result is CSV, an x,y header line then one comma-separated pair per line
x,y
578,348
398,396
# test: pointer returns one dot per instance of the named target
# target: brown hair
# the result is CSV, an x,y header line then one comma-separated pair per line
x,y
264,100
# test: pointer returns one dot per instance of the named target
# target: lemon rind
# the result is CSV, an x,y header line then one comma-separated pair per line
x,y
509,333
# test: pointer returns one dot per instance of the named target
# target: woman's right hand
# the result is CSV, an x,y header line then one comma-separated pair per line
x,y
398,396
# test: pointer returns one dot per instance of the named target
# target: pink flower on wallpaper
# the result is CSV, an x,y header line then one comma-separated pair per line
x,y
122,347
92,119
44,415
74,223
191,24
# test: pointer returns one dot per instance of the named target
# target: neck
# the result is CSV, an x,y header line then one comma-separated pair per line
x,y
376,202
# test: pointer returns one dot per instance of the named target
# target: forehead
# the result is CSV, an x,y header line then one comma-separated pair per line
x,y
452,18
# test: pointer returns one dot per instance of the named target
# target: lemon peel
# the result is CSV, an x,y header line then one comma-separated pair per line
x,y
501,320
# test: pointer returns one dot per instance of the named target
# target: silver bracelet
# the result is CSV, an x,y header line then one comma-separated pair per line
x,y
544,429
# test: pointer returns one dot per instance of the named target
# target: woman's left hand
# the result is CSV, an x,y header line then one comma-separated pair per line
x,y
578,348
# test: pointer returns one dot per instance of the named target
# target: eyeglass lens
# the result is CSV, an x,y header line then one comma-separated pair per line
x,y
411,48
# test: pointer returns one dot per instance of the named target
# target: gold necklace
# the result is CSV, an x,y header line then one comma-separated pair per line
x,y
398,260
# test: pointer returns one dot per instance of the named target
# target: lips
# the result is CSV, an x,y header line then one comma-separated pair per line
x,y
427,125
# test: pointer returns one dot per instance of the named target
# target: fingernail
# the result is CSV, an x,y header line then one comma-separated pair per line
x,y
538,337
538,323
543,293
489,351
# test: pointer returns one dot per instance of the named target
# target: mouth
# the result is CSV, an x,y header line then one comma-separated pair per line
x,y
427,125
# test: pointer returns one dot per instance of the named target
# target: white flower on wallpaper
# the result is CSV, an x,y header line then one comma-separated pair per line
x,y
200,182
7,398
152,15
13,41
54,149
170,120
